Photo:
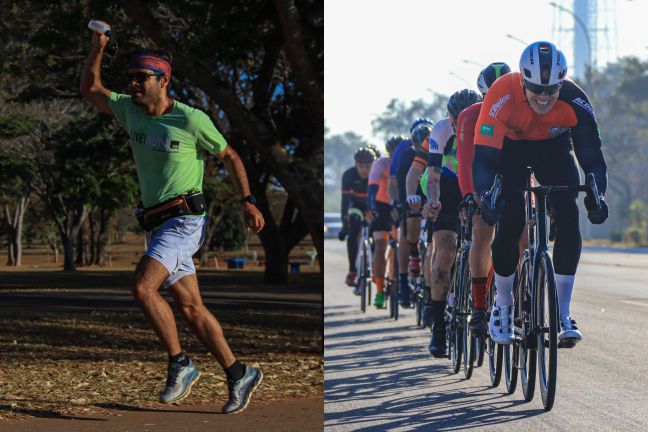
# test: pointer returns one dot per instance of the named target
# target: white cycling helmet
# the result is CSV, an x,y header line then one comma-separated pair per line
x,y
543,64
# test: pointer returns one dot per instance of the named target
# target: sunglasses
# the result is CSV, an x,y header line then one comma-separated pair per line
x,y
140,77
542,89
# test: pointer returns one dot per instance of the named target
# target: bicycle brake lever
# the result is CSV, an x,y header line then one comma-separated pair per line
x,y
593,189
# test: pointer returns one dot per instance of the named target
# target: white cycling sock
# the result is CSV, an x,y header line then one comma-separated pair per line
x,y
504,286
564,288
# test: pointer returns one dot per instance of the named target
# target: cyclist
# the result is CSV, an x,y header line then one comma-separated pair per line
x,y
482,233
400,163
443,201
354,205
535,117
406,153
379,204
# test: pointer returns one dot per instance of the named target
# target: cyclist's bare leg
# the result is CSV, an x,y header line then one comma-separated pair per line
x,y
480,252
380,247
445,242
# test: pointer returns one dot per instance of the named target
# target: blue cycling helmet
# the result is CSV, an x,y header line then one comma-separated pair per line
x,y
419,121
420,130
488,76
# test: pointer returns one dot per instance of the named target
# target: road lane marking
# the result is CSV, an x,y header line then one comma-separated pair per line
x,y
636,303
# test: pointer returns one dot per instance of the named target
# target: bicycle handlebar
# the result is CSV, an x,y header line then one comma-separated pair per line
x,y
589,188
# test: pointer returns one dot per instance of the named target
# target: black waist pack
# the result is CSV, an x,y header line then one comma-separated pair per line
x,y
187,204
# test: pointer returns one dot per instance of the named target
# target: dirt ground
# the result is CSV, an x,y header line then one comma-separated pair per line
x,y
76,345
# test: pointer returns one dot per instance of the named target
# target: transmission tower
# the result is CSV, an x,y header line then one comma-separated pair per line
x,y
589,27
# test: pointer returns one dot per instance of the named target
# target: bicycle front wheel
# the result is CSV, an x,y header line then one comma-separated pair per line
x,y
362,282
494,350
526,350
547,322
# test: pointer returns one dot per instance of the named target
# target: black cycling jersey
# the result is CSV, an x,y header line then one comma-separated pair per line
x,y
354,192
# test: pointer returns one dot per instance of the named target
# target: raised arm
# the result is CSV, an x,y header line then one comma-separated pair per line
x,y
91,87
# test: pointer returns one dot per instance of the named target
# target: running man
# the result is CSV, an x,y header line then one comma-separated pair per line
x,y
537,117
169,141
354,206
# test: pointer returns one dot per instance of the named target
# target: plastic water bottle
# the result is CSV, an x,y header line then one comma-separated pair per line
x,y
100,27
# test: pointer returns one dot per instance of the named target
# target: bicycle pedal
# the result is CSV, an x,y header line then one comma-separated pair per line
x,y
567,343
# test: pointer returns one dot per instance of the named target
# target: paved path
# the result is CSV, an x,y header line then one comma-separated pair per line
x,y
289,415
379,375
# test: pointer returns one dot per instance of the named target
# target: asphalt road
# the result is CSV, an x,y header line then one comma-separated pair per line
x,y
111,290
380,376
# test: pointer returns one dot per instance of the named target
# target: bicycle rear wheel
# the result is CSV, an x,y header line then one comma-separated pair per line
x,y
510,351
547,321
469,341
526,350
455,333
393,295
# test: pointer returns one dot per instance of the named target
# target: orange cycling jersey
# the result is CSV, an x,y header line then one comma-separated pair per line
x,y
506,113
379,175
421,155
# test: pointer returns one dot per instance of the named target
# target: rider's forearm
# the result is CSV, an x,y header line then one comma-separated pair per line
x,y
592,161
344,208
91,76
372,192
392,188
485,166
413,177
433,185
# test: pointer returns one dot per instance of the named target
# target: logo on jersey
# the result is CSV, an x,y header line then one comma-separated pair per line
x,y
433,145
585,105
555,131
486,129
498,105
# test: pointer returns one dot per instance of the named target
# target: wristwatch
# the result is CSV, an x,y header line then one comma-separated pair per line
x,y
248,199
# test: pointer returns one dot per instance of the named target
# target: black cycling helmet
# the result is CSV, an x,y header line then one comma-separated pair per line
x,y
375,150
364,155
392,143
461,100
488,76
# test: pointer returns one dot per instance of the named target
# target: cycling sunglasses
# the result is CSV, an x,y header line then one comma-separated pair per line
x,y
542,89
140,77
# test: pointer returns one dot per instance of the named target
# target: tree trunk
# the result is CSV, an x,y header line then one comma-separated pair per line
x,y
14,231
68,252
276,257
102,239
92,225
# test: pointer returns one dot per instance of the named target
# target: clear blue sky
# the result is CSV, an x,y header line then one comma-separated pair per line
x,y
406,49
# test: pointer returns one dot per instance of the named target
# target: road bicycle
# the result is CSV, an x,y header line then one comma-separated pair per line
x,y
463,346
535,319
364,281
495,351
420,295
393,281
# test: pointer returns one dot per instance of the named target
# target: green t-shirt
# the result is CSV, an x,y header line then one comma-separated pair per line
x,y
169,150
